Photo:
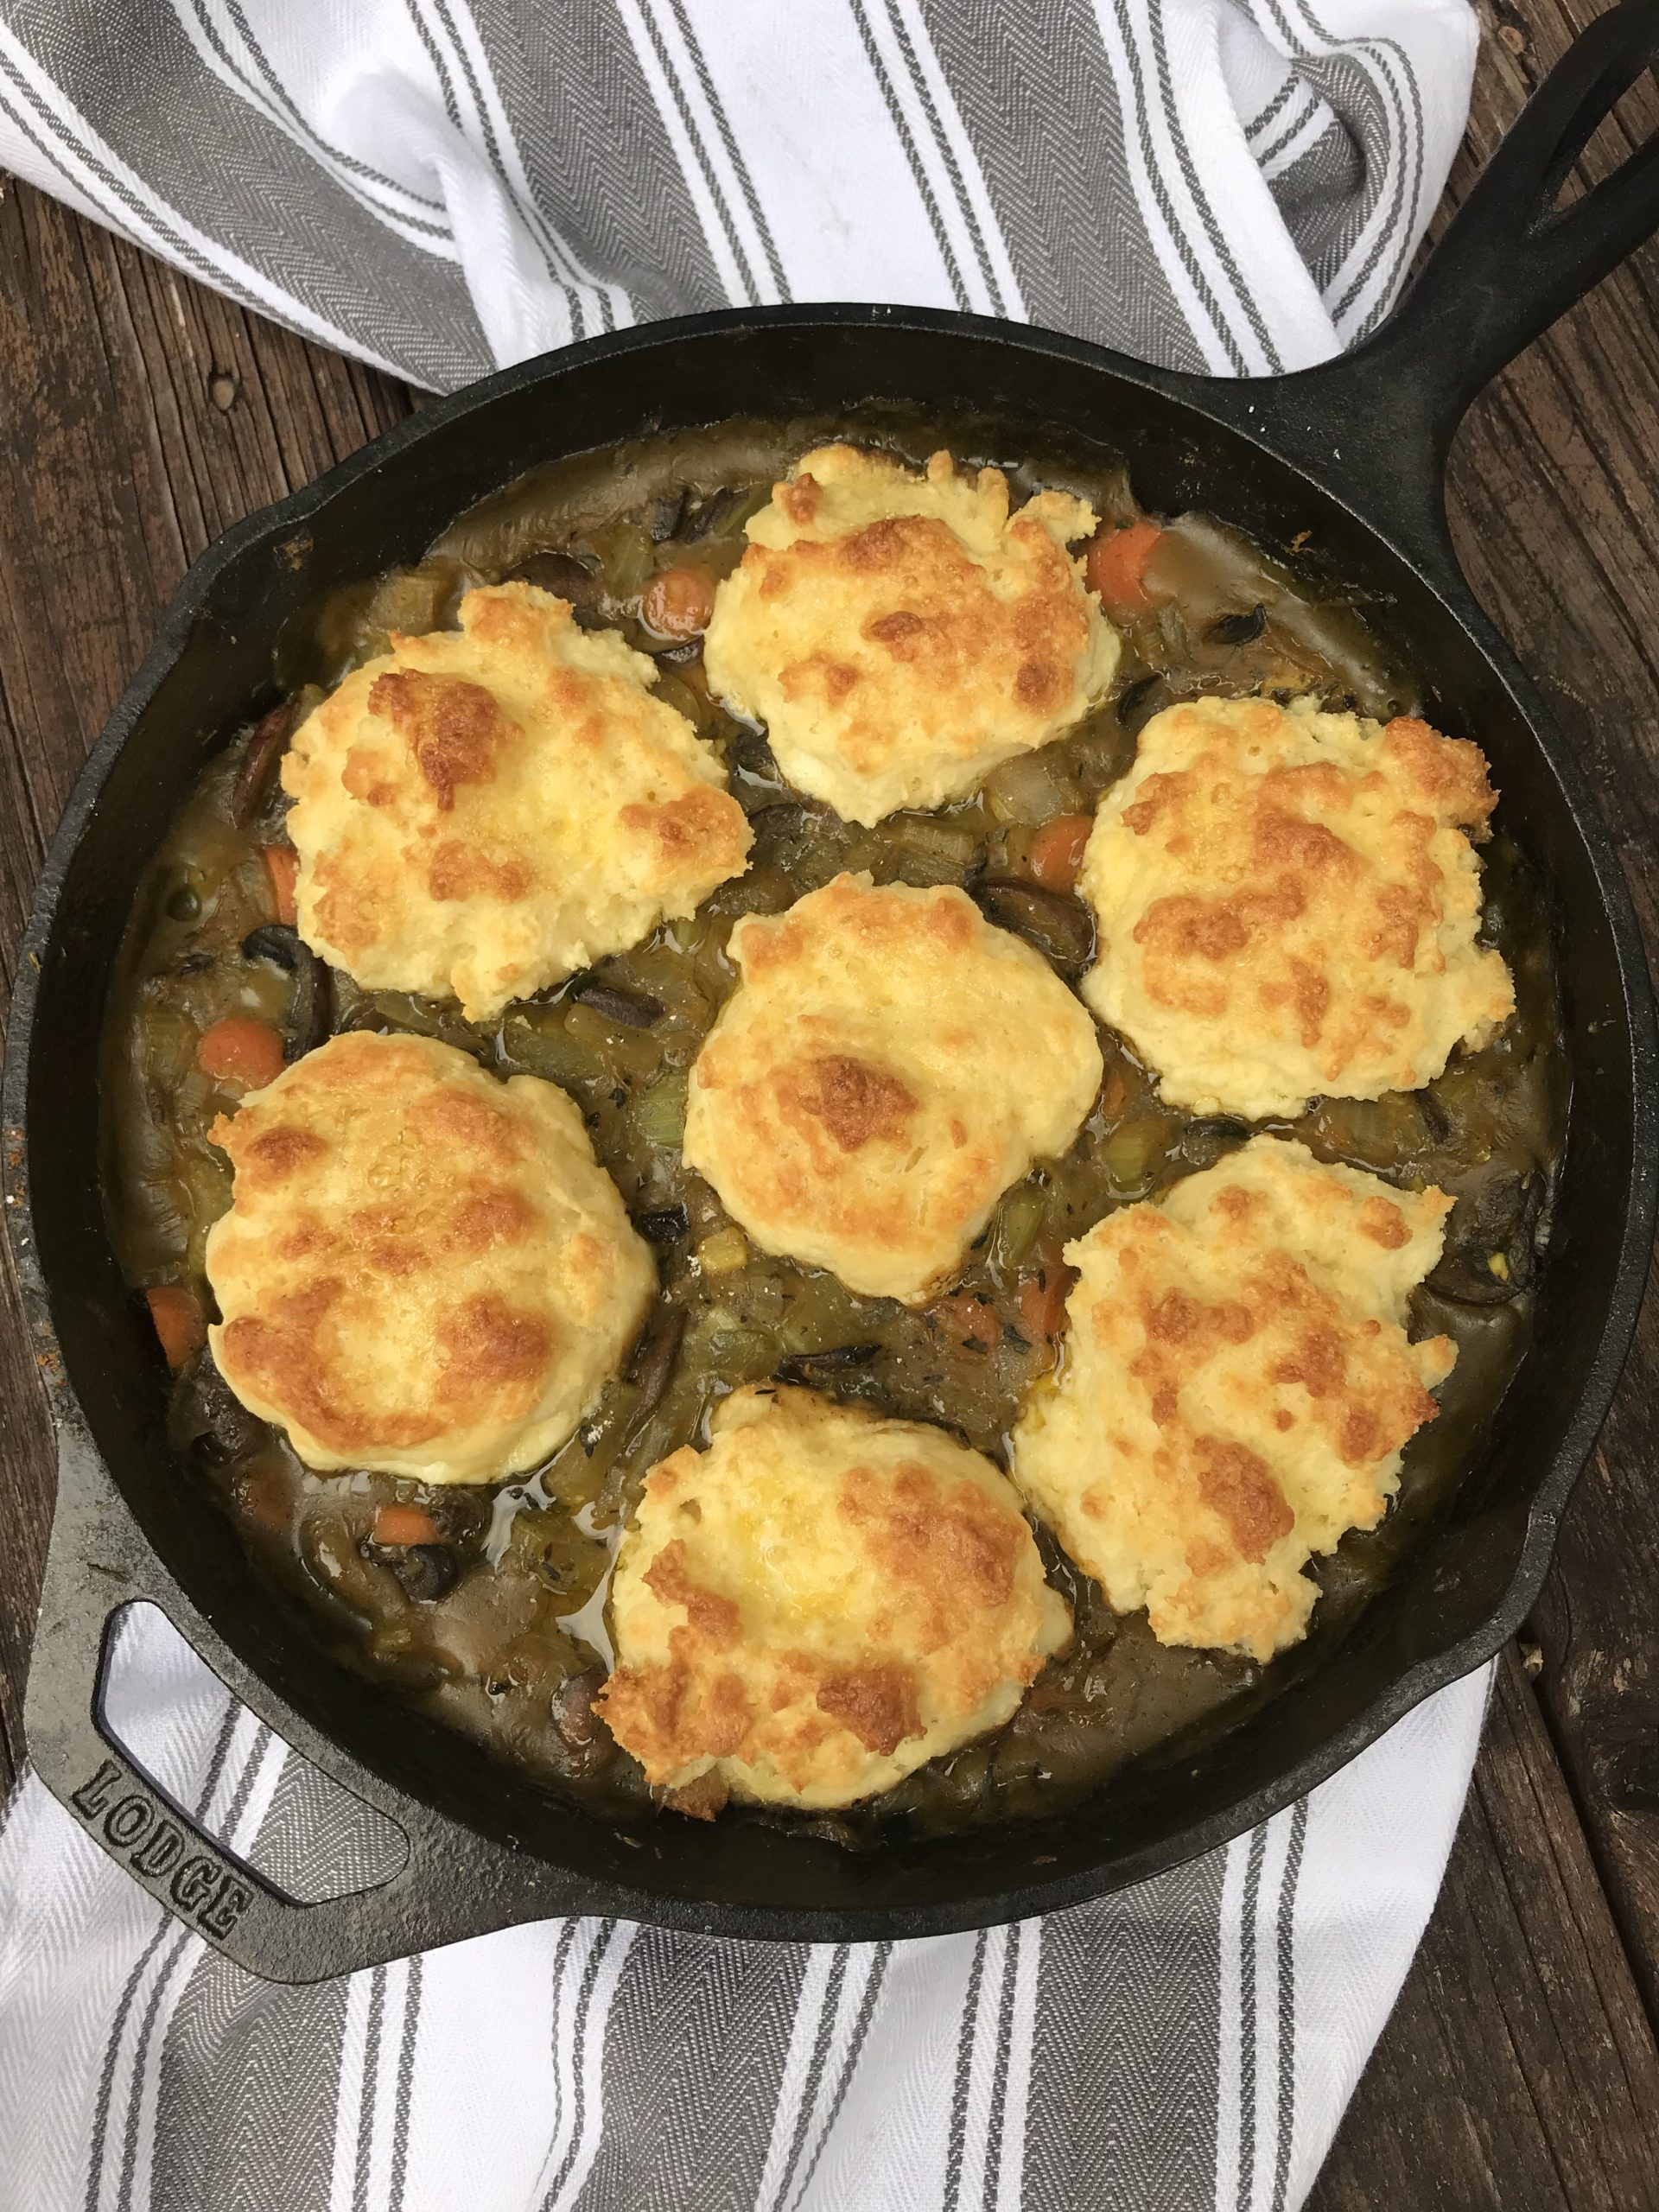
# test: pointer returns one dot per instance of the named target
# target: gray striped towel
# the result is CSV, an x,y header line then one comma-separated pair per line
x,y
443,186
1188,2046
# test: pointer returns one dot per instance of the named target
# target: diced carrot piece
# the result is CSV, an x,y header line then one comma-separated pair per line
x,y
406,1524
241,1051
180,1322
1056,851
1115,566
282,867
679,602
1042,1301
967,1319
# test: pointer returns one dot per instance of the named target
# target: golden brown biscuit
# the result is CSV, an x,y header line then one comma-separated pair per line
x,y
900,634
481,812
888,1065
1236,1390
821,1601
423,1270
1287,903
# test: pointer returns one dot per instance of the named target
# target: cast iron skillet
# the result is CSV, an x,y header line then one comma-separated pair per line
x,y
1351,454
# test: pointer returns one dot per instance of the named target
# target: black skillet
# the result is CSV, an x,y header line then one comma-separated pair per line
x,y
1351,454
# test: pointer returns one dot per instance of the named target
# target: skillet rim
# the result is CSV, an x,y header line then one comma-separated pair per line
x,y
1261,411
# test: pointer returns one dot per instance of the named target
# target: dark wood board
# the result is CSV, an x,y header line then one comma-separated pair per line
x,y
144,414
1519,2069
1472,2099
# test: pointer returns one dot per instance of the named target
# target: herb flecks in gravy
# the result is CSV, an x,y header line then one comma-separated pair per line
x,y
496,1622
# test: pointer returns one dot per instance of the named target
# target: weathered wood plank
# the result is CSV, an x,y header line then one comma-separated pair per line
x,y
1518,2073
1556,516
1555,508
144,415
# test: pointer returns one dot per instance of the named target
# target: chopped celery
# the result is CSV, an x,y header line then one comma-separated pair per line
x,y
1128,1154
166,1044
1014,1229
541,1045
549,1542
660,1113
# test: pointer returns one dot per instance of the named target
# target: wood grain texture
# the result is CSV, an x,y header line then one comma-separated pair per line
x,y
1519,2071
1554,508
144,415
1555,505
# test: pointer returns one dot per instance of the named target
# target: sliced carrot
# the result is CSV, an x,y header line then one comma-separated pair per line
x,y
241,1051
282,867
966,1319
1115,566
1055,853
1042,1301
180,1322
406,1524
679,602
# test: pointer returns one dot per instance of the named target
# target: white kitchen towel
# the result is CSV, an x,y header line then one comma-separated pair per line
x,y
1188,2046
443,186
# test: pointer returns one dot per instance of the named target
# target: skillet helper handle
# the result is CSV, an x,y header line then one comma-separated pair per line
x,y
1511,261
449,1886
1375,425
144,1830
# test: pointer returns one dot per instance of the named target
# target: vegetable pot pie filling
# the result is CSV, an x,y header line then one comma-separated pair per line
x,y
482,811
819,1602
1287,903
887,1065
422,1269
900,635
808,1190
1238,1388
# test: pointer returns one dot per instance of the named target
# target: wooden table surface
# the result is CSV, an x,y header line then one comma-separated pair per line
x,y
1520,2071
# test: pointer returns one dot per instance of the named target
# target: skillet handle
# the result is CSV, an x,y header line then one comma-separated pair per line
x,y
451,1884
1377,424
1511,261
